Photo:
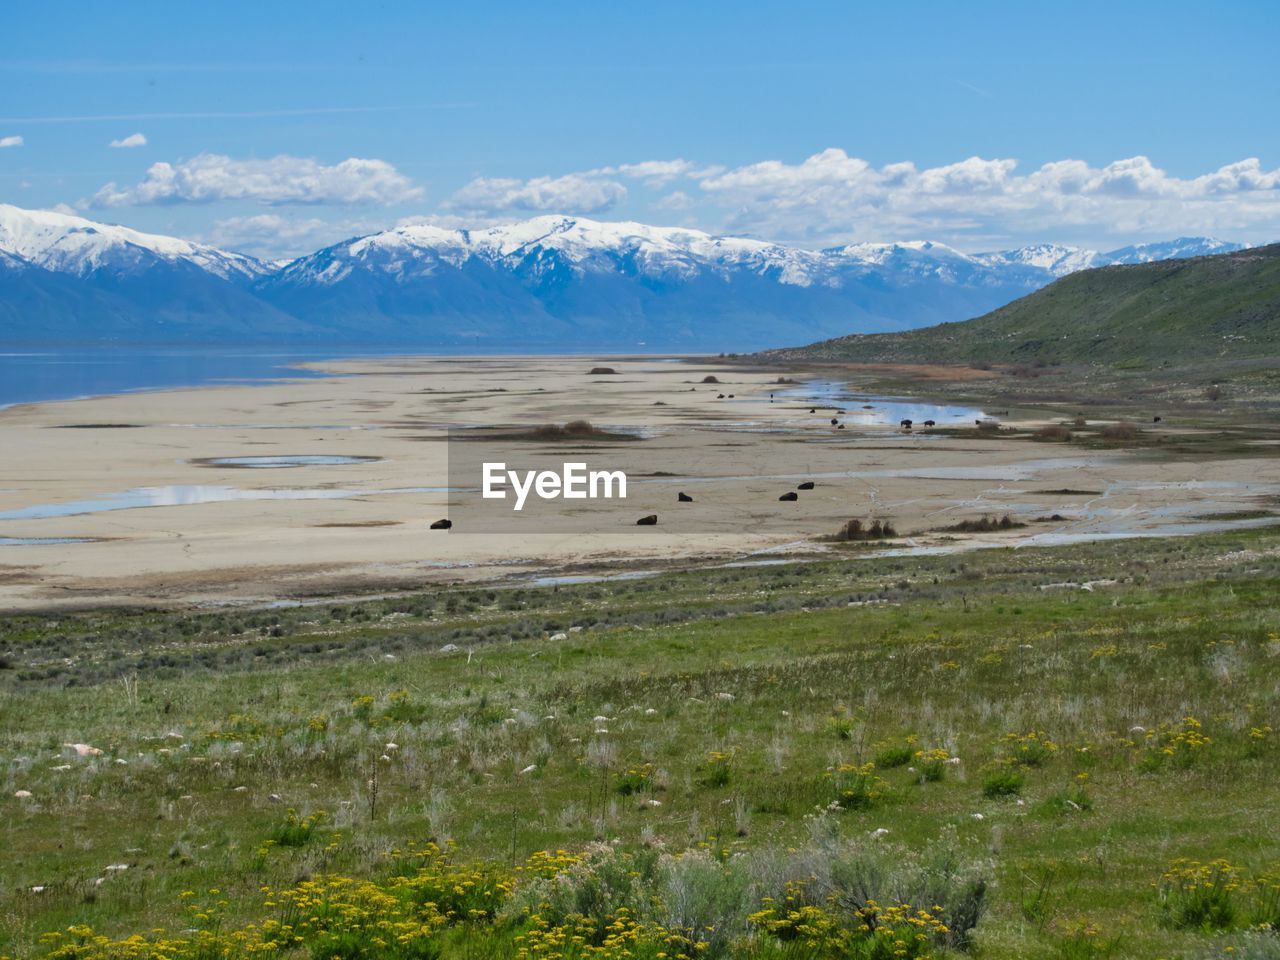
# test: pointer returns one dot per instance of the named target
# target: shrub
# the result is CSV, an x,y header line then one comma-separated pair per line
x,y
856,786
710,378
874,530
636,780
1120,430
295,831
1055,432
717,769
931,765
892,757
1005,782
1199,896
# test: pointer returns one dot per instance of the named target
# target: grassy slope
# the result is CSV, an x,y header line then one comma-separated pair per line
x,y
774,668
1174,312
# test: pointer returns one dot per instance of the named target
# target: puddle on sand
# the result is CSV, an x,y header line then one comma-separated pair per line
x,y
284,460
43,541
883,410
181,495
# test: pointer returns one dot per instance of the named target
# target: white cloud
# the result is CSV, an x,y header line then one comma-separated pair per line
x,y
14,141
279,180
659,173
833,197
271,236
580,193
132,140
676,200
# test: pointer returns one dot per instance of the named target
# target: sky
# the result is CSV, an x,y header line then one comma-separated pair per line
x,y
276,128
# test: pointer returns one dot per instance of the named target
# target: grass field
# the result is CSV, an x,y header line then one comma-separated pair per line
x,y
1036,753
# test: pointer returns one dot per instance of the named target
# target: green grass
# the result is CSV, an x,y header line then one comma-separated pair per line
x,y
739,714
1139,317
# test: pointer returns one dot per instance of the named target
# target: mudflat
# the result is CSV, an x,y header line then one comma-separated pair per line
x,y
327,487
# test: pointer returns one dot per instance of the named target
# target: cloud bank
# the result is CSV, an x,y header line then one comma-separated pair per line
x,y
129,142
212,177
10,142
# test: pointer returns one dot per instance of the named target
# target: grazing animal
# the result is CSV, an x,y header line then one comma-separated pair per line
x,y
807,485
813,409
1156,419
731,396
790,495
834,421
683,497
978,422
442,525
930,423
720,396
905,424
650,521
840,427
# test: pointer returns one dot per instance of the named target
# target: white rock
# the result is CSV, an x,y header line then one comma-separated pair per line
x,y
392,746
83,749
977,816
22,794
275,798
449,648
241,789
116,867
559,636
530,768
879,832
724,696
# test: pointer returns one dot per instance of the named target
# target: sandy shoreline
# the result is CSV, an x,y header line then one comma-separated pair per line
x,y
141,477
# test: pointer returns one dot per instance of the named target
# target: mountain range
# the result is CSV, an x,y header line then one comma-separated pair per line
x,y
1189,312
549,283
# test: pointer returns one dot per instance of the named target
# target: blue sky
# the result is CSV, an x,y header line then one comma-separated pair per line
x,y
276,127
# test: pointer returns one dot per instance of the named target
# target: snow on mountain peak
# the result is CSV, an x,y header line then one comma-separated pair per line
x,y
71,244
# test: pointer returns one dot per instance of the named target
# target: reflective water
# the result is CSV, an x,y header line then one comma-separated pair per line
x,y
289,460
42,541
28,376
883,409
179,495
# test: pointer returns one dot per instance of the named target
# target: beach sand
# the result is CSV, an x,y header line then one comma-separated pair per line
x,y
137,477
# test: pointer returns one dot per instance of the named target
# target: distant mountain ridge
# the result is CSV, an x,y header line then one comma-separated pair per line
x,y
1181,312
549,283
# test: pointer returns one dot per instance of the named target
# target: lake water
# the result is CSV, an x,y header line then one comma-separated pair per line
x,y
28,376
874,409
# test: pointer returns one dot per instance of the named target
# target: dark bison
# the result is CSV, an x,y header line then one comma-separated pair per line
x,y
601,371
791,495
807,485
905,424
650,521
683,497
930,423
1156,419
442,525
834,421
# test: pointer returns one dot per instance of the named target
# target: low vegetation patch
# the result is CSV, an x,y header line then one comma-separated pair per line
x,y
983,525
826,760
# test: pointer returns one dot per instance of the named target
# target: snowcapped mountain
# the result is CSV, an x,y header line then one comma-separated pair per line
x,y
549,283
1178,249
70,244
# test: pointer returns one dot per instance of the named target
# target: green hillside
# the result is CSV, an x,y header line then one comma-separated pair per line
x,y
1225,307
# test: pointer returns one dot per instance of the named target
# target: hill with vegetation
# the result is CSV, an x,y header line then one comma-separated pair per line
x,y
1176,312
